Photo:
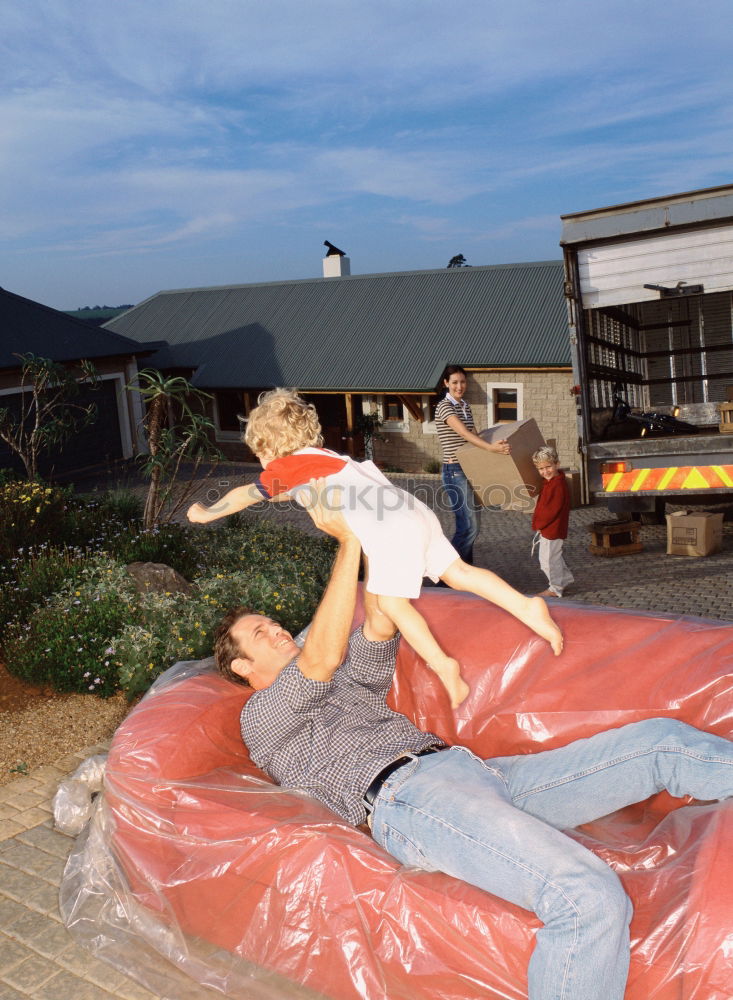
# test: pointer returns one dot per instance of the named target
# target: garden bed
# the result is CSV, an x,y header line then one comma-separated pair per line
x,y
39,725
82,639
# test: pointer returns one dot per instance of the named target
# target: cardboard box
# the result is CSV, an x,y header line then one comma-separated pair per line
x,y
691,534
505,482
729,394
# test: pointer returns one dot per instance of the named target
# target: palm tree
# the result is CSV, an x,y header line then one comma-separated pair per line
x,y
175,432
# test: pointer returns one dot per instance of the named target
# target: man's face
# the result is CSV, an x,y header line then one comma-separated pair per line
x,y
265,648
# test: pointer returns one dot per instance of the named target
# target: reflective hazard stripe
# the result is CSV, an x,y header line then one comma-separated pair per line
x,y
683,477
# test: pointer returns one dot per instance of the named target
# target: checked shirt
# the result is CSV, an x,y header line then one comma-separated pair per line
x,y
331,738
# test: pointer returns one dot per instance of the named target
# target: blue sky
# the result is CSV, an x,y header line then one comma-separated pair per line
x,y
180,143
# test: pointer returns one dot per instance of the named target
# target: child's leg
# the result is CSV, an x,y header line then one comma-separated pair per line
x,y
415,629
532,611
553,565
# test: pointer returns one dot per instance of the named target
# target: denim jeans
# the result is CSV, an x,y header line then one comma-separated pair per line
x,y
462,503
497,824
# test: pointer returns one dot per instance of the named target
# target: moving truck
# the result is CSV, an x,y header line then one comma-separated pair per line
x,y
649,291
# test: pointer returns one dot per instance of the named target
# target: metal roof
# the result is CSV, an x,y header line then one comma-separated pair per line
x,y
27,327
375,332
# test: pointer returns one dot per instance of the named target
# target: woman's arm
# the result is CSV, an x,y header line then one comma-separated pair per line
x,y
235,500
456,424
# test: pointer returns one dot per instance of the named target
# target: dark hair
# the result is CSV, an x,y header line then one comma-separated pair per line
x,y
225,648
449,370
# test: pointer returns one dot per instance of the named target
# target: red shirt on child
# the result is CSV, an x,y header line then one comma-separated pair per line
x,y
552,512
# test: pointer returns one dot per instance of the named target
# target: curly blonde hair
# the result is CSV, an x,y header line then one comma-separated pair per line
x,y
545,454
282,423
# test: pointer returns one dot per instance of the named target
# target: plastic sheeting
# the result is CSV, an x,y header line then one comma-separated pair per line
x,y
197,871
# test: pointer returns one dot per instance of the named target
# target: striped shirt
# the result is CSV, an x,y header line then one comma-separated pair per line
x,y
450,441
331,738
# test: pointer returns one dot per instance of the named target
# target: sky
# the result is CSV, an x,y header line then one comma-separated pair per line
x,y
185,143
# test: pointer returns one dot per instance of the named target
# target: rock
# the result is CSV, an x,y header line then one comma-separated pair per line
x,y
158,577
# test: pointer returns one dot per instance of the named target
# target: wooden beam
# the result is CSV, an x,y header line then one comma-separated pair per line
x,y
413,407
349,401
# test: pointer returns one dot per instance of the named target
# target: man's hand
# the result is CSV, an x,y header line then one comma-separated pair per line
x,y
325,507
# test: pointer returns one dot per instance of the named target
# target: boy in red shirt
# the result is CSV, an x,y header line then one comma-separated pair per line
x,y
550,522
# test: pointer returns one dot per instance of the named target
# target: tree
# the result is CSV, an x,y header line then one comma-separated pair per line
x,y
49,411
368,425
177,432
458,261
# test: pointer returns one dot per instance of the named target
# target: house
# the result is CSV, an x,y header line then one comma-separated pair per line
x,y
360,344
31,328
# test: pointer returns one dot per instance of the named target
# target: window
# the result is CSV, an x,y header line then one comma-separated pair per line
x,y
390,411
504,402
228,408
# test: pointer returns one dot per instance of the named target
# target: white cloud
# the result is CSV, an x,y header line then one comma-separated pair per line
x,y
138,127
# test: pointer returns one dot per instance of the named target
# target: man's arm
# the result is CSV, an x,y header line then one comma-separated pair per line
x,y
325,644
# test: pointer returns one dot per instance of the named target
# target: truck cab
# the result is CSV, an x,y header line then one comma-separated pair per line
x,y
649,291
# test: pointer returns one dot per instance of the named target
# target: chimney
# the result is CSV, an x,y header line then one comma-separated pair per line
x,y
335,264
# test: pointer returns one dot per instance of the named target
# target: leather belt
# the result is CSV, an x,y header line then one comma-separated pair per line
x,y
373,790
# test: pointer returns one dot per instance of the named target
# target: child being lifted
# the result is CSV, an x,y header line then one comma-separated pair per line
x,y
401,538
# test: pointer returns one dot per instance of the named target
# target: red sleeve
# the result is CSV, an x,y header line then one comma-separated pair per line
x,y
283,474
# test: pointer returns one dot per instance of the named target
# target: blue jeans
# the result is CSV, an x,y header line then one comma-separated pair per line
x,y
497,824
462,503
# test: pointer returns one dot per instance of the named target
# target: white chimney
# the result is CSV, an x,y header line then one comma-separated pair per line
x,y
335,264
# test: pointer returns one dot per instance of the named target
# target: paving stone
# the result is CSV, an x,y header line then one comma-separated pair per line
x,y
28,926
45,899
30,974
53,940
10,911
8,993
45,838
134,991
16,883
33,817
24,784
11,953
67,986
22,800
9,828
28,858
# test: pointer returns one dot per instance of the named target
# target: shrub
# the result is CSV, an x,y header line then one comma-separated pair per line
x,y
67,643
30,513
170,544
118,504
31,578
433,466
96,633
246,540
280,573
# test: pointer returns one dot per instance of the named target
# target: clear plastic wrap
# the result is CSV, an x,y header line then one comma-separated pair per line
x,y
74,798
197,871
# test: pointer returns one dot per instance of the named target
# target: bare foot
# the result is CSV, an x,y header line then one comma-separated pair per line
x,y
450,675
538,618
548,593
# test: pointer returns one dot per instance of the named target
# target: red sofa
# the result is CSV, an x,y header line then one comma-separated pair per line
x,y
213,852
